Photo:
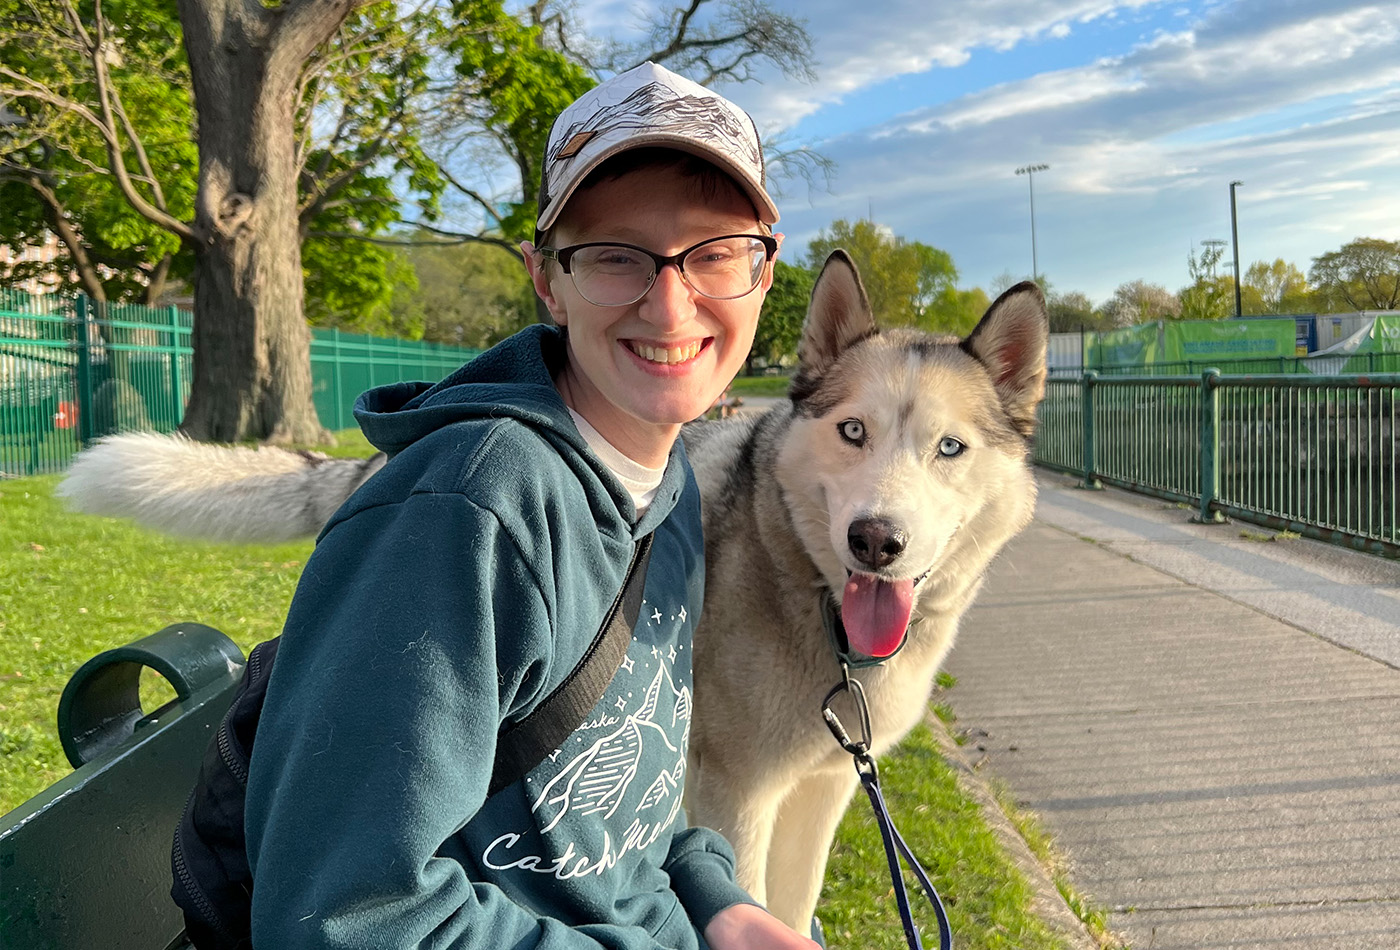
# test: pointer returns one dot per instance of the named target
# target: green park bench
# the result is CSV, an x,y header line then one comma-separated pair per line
x,y
86,863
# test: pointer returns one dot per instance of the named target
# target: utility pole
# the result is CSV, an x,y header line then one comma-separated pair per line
x,y
1029,171
1235,239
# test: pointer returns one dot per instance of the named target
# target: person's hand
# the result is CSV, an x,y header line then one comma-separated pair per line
x,y
748,927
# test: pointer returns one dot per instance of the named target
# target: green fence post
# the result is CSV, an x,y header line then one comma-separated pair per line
x,y
1210,448
1090,481
85,420
177,383
337,393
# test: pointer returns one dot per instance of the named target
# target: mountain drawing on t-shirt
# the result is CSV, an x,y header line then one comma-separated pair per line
x,y
598,778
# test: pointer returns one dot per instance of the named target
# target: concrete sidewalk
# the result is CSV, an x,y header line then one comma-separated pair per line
x,y
1208,724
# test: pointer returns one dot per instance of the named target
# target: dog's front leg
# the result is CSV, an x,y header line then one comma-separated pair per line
x,y
801,842
744,810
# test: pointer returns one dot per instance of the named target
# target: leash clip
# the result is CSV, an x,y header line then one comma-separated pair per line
x,y
859,749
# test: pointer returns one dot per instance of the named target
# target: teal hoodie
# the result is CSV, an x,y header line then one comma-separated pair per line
x,y
453,591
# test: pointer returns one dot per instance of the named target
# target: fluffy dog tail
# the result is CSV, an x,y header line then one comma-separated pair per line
x,y
215,493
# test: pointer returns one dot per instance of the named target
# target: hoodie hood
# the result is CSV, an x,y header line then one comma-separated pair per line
x,y
515,378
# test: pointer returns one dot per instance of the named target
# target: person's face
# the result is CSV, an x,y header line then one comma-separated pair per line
x,y
637,372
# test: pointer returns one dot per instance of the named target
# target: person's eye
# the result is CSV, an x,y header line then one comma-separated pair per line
x,y
610,259
718,254
617,256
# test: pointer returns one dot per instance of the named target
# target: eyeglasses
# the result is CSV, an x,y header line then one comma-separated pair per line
x,y
615,275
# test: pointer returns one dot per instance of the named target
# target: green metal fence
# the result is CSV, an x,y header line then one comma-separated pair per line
x,y
72,369
343,365
1367,363
1315,455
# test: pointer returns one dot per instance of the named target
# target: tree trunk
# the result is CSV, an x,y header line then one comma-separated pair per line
x,y
252,367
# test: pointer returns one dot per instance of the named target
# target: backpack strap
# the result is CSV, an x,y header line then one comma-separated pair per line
x,y
522,745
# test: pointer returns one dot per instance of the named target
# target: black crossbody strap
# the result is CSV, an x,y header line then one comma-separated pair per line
x,y
520,746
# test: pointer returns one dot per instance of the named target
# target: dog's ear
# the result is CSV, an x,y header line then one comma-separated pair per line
x,y
1010,341
838,317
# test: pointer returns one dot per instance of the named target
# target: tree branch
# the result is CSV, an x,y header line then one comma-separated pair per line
x,y
33,89
472,194
110,98
455,238
301,27
156,279
321,192
678,41
57,218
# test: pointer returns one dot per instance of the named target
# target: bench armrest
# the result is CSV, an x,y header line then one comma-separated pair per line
x,y
100,708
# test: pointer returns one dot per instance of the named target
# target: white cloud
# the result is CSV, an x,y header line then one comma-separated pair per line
x,y
1300,102
859,47
1048,91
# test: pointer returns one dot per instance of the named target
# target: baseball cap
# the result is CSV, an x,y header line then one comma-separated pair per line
x,y
650,106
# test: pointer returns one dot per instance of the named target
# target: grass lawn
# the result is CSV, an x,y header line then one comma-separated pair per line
x,y
73,585
759,386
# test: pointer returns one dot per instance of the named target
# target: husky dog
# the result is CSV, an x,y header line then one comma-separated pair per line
x,y
883,488
896,472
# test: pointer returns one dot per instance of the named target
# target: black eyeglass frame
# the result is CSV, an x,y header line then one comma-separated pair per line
x,y
563,255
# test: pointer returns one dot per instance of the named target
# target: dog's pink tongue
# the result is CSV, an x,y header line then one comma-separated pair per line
x,y
875,613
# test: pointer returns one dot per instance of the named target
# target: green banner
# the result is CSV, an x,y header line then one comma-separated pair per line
x,y
1130,346
1204,341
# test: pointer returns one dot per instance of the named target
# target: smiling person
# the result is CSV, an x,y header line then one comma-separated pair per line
x,y
464,582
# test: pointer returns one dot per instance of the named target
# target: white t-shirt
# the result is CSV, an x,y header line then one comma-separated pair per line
x,y
640,481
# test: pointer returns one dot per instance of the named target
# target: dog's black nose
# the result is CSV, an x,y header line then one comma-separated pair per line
x,y
875,542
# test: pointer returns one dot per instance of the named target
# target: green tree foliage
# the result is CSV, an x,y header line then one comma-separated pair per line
x,y
1363,274
514,72
510,86
1072,311
784,309
958,311
56,173
352,285
908,283
1277,287
368,95
54,161
941,306
1209,296
1138,301
308,125
465,294
357,172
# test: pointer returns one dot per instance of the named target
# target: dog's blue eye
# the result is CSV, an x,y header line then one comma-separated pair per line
x,y
853,431
950,447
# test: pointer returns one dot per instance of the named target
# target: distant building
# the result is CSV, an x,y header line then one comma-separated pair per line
x,y
44,253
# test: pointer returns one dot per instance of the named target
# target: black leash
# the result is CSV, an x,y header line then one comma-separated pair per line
x,y
889,834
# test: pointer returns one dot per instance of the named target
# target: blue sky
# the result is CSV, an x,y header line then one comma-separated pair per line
x,y
1144,111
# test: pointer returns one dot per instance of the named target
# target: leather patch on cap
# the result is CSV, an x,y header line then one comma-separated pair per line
x,y
575,145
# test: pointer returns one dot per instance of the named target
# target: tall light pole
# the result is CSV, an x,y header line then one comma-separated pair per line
x,y
1235,239
1029,171
1214,244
